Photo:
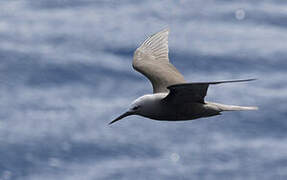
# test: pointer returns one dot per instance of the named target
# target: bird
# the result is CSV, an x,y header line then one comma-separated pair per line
x,y
173,99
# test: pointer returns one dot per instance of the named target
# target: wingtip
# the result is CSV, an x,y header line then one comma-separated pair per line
x,y
164,30
252,79
234,81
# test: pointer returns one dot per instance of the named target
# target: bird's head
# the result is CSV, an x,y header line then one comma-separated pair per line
x,y
134,109
143,106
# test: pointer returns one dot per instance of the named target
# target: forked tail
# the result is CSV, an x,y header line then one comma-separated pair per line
x,y
223,107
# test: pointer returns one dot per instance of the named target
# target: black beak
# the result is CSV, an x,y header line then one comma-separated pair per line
x,y
128,113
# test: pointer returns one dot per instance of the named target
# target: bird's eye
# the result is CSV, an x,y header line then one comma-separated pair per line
x,y
135,108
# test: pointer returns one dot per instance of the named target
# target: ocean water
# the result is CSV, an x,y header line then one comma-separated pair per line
x,y
65,73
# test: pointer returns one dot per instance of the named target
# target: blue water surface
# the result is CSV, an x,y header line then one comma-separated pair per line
x,y
65,73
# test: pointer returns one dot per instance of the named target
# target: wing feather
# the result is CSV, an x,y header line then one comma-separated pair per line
x,y
193,92
151,59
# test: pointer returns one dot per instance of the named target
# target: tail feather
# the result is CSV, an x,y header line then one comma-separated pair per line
x,y
223,107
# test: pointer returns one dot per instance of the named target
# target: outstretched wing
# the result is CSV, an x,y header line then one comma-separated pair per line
x,y
151,59
192,92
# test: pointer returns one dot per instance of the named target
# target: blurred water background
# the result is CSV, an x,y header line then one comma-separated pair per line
x,y
65,72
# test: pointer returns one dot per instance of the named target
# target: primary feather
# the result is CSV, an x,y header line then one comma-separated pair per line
x,y
151,59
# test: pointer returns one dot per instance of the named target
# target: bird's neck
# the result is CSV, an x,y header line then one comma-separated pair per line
x,y
156,96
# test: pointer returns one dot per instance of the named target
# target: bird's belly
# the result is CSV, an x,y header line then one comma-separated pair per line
x,y
180,112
